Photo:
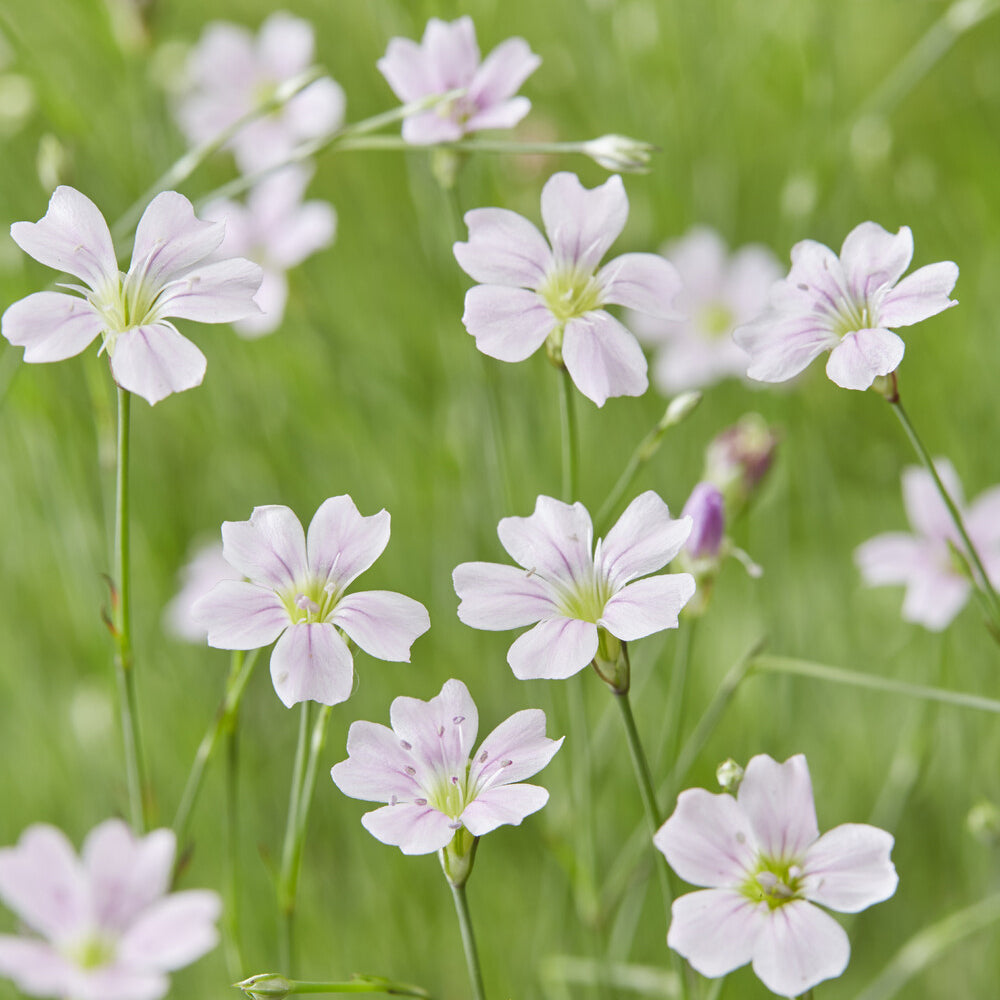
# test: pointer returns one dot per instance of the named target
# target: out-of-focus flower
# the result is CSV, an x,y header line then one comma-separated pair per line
x,y
738,458
231,72
619,152
171,275
108,926
719,291
277,230
937,584
206,567
585,598
846,305
294,589
447,58
422,769
765,865
531,294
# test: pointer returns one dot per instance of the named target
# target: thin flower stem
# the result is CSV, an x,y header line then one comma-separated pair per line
x,y
982,580
570,442
468,941
257,985
124,661
395,142
233,936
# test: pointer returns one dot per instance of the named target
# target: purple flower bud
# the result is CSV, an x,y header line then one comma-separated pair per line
x,y
706,508
739,458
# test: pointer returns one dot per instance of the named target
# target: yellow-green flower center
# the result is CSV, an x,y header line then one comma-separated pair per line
x,y
310,602
92,952
570,292
774,882
716,320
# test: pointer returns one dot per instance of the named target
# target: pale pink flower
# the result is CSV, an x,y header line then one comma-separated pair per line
x,y
533,294
847,305
421,768
937,586
765,865
576,590
172,274
447,58
231,72
719,291
277,230
108,926
206,567
294,589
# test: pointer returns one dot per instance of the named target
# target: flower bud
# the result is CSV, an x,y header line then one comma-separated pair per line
x,y
266,986
983,822
706,508
679,408
619,152
739,458
729,774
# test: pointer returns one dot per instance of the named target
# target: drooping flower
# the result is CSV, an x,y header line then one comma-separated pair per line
x,y
295,589
719,292
231,72
847,305
578,593
104,926
422,769
766,866
533,294
937,585
206,567
172,274
277,230
447,58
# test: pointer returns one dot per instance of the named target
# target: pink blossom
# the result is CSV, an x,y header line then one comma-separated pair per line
x,y
576,591
447,59
172,274
846,305
719,292
765,865
294,589
937,586
421,768
108,926
533,293
206,567
231,72
277,230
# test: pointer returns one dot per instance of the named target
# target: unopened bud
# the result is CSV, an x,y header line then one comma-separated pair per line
x,y
739,458
729,774
619,152
266,986
983,822
706,508
51,162
680,408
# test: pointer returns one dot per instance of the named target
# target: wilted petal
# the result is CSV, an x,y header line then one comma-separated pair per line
x,y
647,606
919,295
376,768
269,549
502,72
891,558
509,324
170,239
861,356
603,358
498,597
51,326
311,662
155,361
778,801
383,623
342,543
555,541
503,804
440,731
240,615
582,224
557,648
716,930
872,257
644,539
220,292
413,829
848,868
642,281
173,932
515,750
504,248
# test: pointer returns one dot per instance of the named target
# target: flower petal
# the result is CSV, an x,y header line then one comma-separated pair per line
x,y
798,947
506,114
155,361
504,248
778,801
781,346
240,615
285,45
72,237
173,932
716,930
861,356
848,869
934,598
429,127
504,804
557,648
269,549
555,541
498,597
220,292
872,258
342,543
383,623
582,224
515,750
51,326
413,829
891,558
270,299
603,358
647,606
311,662
642,281
502,72
36,967
118,982
440,731
376,768
644,539
404,67
451,52
919,295
924,507
509,324
316,111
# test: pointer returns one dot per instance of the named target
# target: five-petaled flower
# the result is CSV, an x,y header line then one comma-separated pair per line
x,y
937,583
847,305
294,589
446,59
533,294
583,597
110,929
172,274
765,865
231,73
421,768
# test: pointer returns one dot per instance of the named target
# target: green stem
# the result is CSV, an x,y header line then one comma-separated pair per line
x,y
124,662
570,442
274,984
234,950
468,941
395,142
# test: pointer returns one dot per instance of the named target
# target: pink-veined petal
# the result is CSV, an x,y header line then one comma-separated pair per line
x,y
498,597
557,648
919,295
502,72
515,750
173,932
154,361
603,358
848,868
451,52
647,606
778,801
509,324
582,224
504,248
219,292
376,768
269,549
311,662
644,539
924,507
779,347
440,731
240,615
342,542
405,70
555,541
51,326
861,356
503,804
413,829
383,623
716,930
891,558
506,114
798,947
872,257
642,281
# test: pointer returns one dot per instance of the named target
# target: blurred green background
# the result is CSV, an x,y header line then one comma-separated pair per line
x,y
777,120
